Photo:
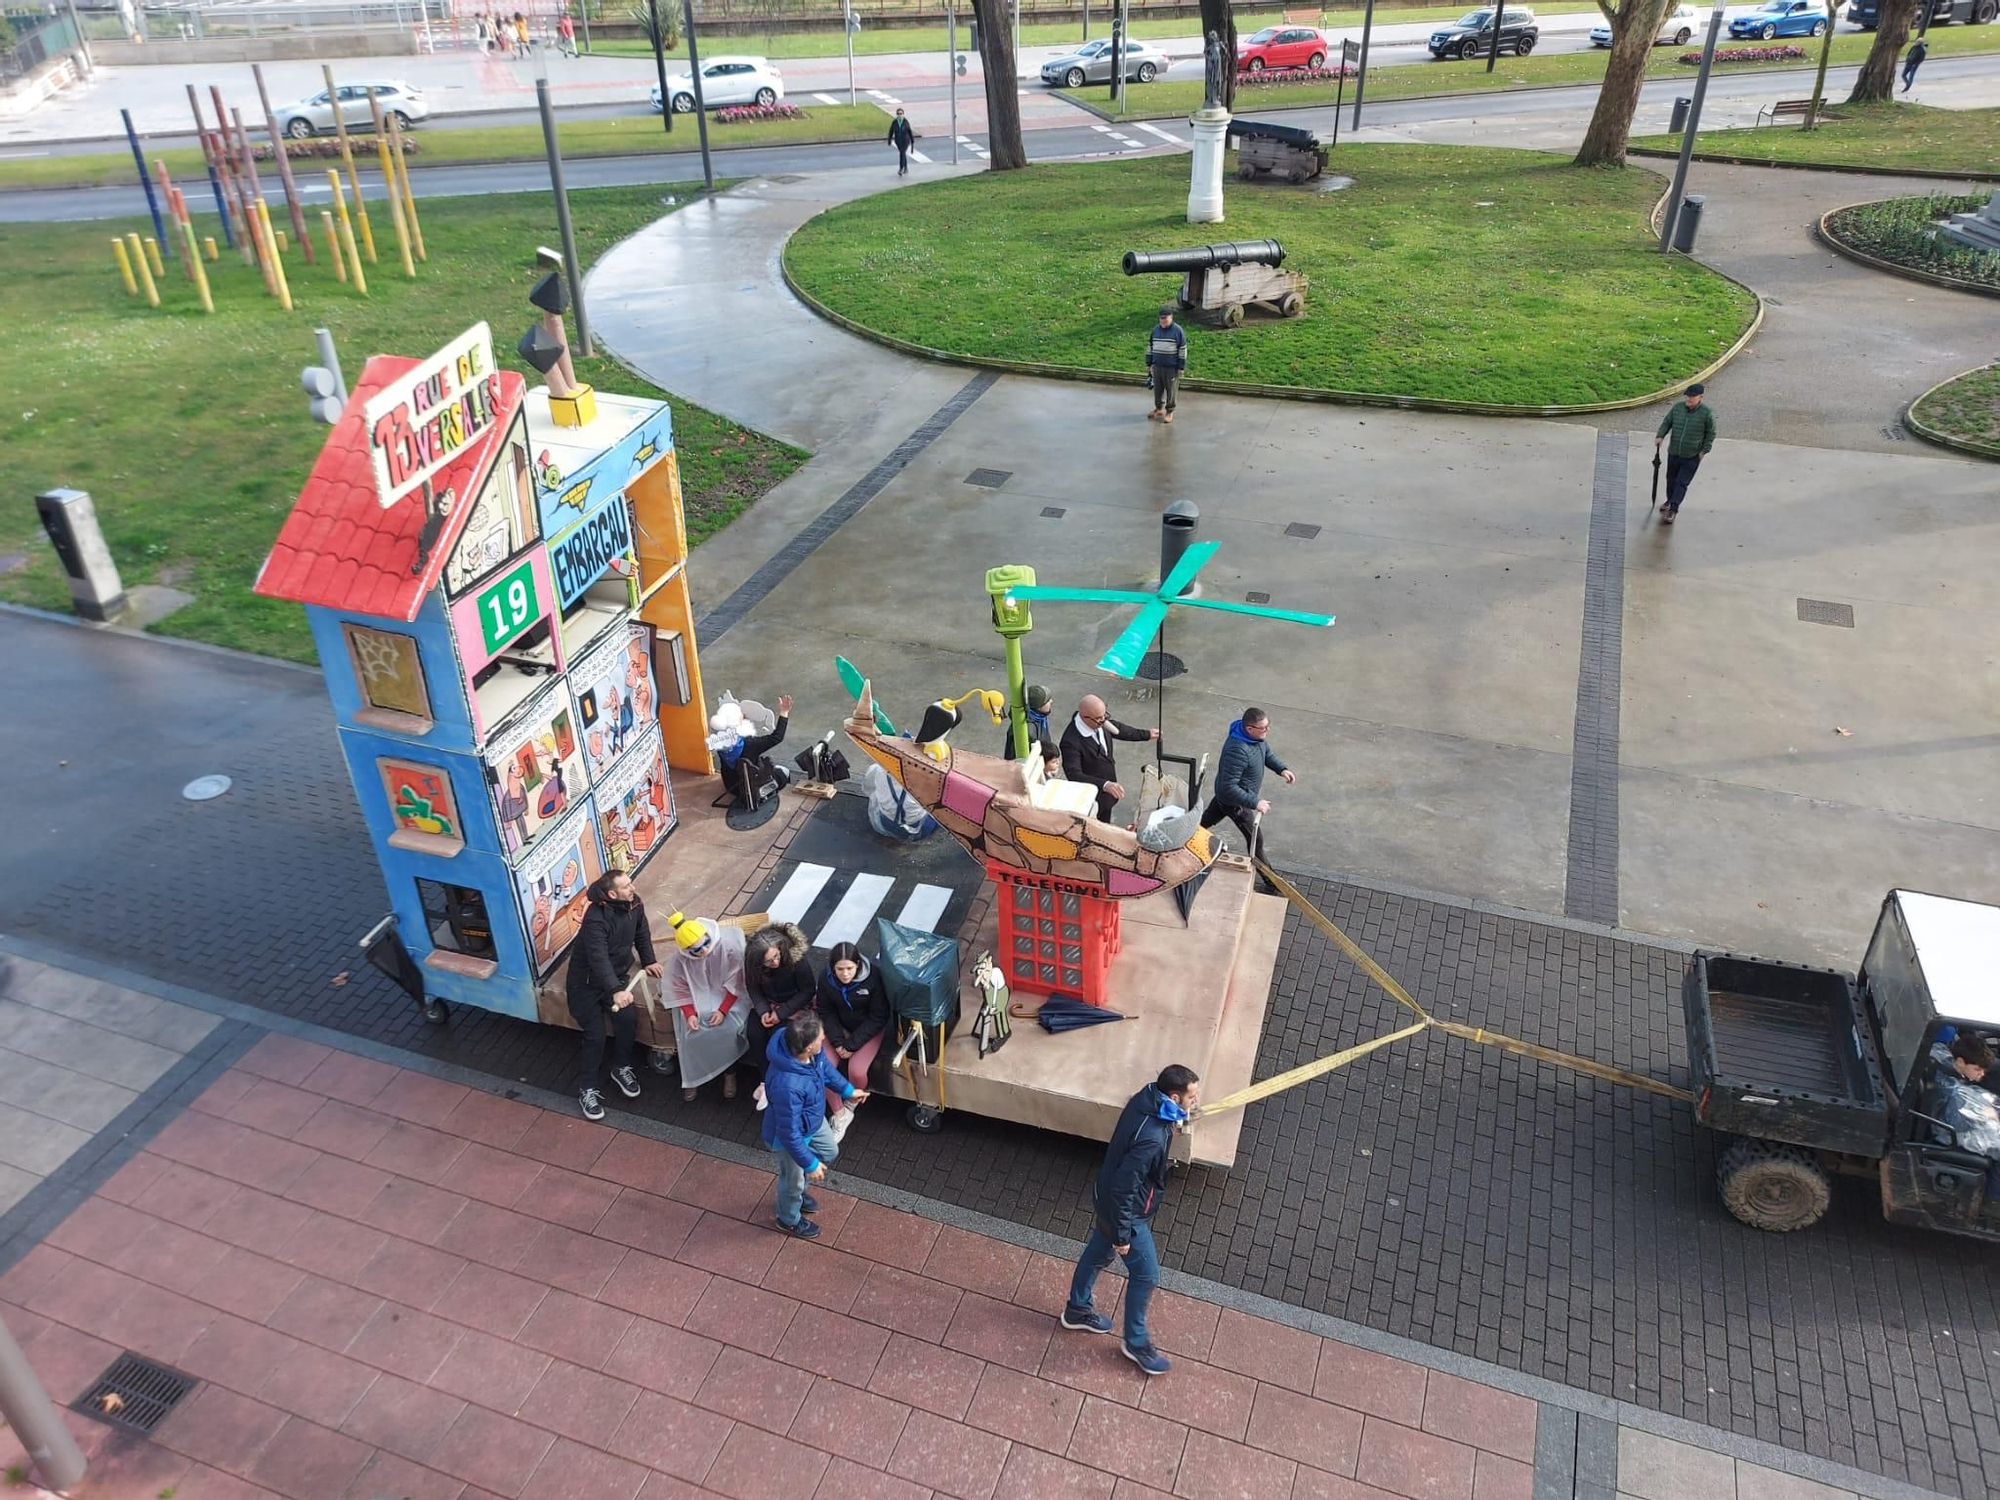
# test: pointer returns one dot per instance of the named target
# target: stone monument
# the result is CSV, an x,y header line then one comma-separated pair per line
x,y
1975,231
1210,125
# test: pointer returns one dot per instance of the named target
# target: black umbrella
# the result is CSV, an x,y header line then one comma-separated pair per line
x,y
1656,481
1061,1013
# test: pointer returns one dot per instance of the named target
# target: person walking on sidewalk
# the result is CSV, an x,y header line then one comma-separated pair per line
x,y
1129,1185
566,35
613,931
1913,60
1239,777
902,137
1688,430
796,1128
1087,754
1166,358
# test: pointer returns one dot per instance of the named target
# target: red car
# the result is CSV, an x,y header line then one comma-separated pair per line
x,y
1281,47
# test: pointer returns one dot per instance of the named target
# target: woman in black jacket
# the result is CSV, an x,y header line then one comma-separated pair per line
x,y
779,975
854,1010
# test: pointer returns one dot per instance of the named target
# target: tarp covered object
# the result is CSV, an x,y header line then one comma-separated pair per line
x,y
920,970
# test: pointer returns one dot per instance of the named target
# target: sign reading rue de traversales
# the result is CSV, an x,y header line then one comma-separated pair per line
x,y
421,422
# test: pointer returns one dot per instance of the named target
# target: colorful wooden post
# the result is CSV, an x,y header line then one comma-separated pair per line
x,y
347,159
194,265
403,177
232,177
284,163
124,267
347,233
153,256
145,271
271,253
208,244
395,188
208,158
145,177
333,243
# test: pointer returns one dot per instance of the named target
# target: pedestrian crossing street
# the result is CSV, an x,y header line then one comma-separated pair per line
x,y
840,906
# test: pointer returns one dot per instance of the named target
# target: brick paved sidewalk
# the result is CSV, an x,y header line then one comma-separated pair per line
x,y
585,1311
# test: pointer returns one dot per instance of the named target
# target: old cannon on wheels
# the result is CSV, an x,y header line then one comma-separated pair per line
x,y
1219,281
1282,150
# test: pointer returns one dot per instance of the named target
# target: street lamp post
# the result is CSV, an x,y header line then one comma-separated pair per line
x,y
1693,124
700,104
660,67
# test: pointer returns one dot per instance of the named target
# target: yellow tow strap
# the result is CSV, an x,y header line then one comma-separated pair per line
x,y
1293,1077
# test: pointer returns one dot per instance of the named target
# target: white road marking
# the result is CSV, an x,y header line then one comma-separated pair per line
x,y
796,899
925,906
850,918
971,145
916,155
885,98
1102,129
1163,135
826,98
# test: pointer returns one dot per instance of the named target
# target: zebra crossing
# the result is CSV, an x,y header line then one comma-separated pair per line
x,y
840,906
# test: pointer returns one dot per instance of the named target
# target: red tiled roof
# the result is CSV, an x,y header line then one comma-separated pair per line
x,y
340,549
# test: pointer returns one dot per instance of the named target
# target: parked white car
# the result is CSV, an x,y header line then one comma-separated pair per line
x,y
725,80
310,116
1677,28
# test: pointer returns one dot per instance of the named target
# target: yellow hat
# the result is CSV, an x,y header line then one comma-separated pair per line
x,y
688,931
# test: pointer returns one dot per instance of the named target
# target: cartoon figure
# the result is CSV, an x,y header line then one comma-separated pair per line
x,y
595,742
544,909
514,809
625,718
567,886
643,701
555,797
548,473
618,721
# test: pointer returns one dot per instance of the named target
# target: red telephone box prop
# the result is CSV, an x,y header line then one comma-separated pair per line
x,y
1054,934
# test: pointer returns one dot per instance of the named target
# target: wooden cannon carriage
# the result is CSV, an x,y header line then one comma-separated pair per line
x,y
1220,281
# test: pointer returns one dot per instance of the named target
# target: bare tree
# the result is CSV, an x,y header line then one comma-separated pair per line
x,y
1634,25
1825,56
1877,79
1005,151
1216,17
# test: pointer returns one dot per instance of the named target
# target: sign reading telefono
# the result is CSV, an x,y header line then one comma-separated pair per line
x,y
580,557
424,419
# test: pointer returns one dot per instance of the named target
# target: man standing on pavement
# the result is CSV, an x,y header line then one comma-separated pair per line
x,y
796,1077
902,138
1689,432
1128,1192
1166,357
1087,754
1239,777
614,928
1913,60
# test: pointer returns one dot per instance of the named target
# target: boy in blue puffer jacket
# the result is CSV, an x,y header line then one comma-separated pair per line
x,y
804,1140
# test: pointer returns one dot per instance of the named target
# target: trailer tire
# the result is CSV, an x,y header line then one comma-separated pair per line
x,y
1779,1189
925,1119
1245,171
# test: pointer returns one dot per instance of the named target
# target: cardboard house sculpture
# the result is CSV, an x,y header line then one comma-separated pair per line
x,y
499,598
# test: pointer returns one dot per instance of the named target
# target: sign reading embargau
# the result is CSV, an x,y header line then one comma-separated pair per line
x,y
424,420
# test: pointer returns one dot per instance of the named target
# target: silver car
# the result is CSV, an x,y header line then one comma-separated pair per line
x,y
1677,28
310,116
1091,63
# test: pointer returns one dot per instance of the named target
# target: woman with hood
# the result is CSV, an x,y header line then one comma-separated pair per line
x,y
780,976
706,987
854,1009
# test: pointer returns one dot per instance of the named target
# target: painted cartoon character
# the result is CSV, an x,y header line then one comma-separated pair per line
x,y
595,741
643,696
514,809
548,473
618,715
555,797
566,888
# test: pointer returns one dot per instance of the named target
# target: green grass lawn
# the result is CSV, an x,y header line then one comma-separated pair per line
x,y
191,432
1894,135
441,146
1967,408
1180,97
1444,272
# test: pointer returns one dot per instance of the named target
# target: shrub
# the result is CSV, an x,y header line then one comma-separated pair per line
x,y
742,114
1744,55
1271,77
1905,231
324,146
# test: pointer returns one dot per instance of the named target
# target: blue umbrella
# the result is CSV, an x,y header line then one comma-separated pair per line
x,y
1061,1013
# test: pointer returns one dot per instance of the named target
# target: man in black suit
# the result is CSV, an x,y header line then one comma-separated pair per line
x,y
1087,754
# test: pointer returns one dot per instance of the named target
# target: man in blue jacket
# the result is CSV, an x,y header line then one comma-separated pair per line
x,y
796,1128
1129,1185
1166,358
1239,777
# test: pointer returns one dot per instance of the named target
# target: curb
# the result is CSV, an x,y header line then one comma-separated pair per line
x,y
1322,395
1909,273
1989,451
1818,166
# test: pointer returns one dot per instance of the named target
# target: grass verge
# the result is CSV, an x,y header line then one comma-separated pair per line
x,y
1444,272
1890,136
443,146
191,432
1966,410
1178,98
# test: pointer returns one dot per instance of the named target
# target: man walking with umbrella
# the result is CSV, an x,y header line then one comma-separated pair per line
x,y
1688,430
1129,1186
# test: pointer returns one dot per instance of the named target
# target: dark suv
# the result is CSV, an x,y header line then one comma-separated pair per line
x,y
1471,35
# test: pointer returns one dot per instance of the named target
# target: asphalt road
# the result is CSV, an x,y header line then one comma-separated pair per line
x,y
1055,144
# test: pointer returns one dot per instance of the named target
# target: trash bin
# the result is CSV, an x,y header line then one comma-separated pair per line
x,y
1688,225
1177,528
1679,122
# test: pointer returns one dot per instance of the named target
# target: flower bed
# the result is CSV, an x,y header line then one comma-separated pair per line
x,y
1744,55
1270,77
743,114
1905,231
326,147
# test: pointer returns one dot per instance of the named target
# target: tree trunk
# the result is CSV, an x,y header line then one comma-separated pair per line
x,y
1877,80
1005,152
1216,17
1632,33
1825,56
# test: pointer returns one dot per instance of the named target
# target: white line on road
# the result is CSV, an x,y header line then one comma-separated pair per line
x,y
885,98
826,98
971,145
916,155
1163,135
1102,129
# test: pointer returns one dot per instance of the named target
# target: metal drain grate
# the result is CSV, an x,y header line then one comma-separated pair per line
x,y
1895,434
1159,666
1302,531
989,479
1256,596
1826,612
1054,512
134,1393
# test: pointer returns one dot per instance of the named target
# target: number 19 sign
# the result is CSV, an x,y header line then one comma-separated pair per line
x,y
507,605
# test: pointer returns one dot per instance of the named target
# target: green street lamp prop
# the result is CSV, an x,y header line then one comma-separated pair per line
x,y
1012,619
1693,124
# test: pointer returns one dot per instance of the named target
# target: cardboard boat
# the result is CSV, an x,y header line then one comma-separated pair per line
x,y
1005,810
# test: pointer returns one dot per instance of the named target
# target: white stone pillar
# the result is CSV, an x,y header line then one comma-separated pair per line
x,y
1211,130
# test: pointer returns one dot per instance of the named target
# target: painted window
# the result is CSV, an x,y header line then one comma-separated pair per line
x,y
387,671
455,916
420,798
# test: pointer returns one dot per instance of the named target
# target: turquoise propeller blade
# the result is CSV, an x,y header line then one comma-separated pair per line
x,y
1093,596
1295,616
854,682
1130,648
1192,562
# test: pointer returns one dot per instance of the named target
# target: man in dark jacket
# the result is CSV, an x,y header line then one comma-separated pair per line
x,y
1087,754
600,997
1037,702
1688,430
797,1075
901,136
1239,777
1913,60
1127,1196
1166,358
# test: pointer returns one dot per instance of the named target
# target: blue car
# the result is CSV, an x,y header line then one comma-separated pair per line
x,y
1776,18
